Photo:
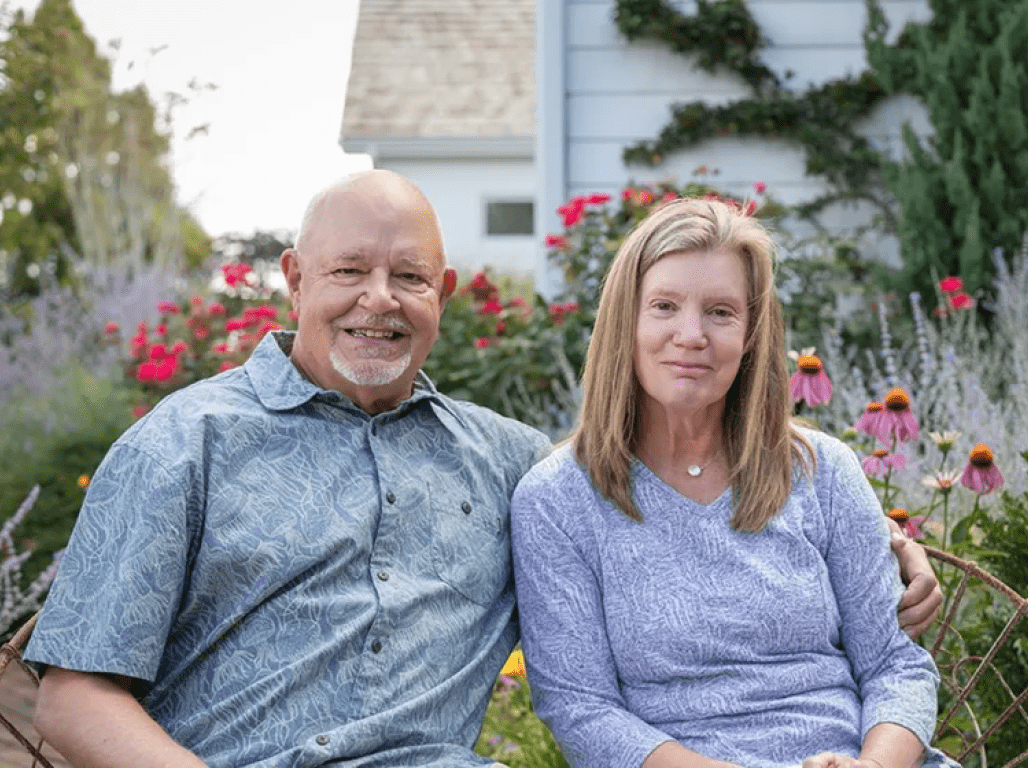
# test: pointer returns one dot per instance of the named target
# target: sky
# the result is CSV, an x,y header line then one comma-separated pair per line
x,y
280,68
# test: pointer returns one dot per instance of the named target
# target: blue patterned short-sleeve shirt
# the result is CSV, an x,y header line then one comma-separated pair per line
x,y
298,582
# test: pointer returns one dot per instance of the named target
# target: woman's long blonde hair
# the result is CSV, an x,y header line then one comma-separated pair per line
x,y
760,441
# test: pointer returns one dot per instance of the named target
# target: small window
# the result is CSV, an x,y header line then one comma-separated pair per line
x,y
510,217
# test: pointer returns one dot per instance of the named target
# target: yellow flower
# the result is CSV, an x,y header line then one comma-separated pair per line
x,y
515,666
83,481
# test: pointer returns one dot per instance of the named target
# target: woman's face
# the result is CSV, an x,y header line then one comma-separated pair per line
x,y
691,331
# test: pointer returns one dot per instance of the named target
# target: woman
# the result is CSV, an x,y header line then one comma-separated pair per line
x,y
700,582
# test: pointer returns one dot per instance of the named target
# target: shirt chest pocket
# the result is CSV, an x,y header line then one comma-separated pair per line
x,y
470,547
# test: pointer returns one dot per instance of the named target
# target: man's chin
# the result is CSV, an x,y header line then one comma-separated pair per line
x,y
371,373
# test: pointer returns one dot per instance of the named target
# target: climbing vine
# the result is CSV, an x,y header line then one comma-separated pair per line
x,y
725,37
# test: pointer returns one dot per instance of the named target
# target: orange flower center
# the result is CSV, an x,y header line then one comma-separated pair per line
x,y
881,453
874,407
981,456
810,364
897,400
900,515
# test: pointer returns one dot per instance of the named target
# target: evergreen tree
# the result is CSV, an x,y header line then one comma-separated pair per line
x,y
963,192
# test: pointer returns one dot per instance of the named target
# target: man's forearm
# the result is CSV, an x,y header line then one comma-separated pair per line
x,y
94,722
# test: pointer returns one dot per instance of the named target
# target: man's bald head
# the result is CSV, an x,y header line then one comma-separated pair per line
x,y
363,188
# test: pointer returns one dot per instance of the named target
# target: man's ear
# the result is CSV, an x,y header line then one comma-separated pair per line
x,y
449,285
290,265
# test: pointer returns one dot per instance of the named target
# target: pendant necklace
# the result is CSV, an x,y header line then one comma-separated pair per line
x,y
695,470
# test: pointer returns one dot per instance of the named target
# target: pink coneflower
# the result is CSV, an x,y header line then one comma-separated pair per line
x,y
870,421
881,461
897,420
981,475
810,382
911,525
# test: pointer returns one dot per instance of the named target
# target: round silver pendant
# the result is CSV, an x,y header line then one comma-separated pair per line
x,y
694,470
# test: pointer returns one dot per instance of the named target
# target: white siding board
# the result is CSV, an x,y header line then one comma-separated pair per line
x,y
648,67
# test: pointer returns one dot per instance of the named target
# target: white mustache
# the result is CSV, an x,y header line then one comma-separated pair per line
x,y
378,322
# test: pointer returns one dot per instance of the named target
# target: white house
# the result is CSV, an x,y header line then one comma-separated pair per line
x,y
443,92
598,93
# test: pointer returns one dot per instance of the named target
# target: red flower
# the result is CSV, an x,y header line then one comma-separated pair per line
x,y
161,329
627,193
140,410
197,301
167,308
751,208
158,352
573,211
597,198
981,475
216,308
111,328
950,284
481,288
810,382
226,365
645,197
268,327
201,333
481,343
179,348
962,300
556,241
760,187
669,196
235,324
221,349
235,273
559,311
491,307
911,525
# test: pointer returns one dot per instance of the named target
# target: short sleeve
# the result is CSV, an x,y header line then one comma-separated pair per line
x,y
122,576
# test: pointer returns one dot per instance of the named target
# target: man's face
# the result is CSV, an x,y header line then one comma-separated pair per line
x,y
368,288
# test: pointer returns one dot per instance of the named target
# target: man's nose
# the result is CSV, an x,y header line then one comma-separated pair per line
x,y
378,296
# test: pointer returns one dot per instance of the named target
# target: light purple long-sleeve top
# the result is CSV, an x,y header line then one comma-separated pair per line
x,y
760,649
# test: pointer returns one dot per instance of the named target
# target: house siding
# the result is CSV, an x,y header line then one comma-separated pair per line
x,y
617,93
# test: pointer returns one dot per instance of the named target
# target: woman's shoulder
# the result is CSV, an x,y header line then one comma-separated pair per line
x,y
557,470
827,449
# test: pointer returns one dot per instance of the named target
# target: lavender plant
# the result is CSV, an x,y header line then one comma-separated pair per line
x,y
16,599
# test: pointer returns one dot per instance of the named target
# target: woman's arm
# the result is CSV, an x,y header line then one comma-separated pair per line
x,y
896,678
563,614
94,722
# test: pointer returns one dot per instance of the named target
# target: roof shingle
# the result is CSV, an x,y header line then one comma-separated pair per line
x,y
442,68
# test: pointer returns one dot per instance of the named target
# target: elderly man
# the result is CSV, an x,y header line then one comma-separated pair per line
x,y
303,561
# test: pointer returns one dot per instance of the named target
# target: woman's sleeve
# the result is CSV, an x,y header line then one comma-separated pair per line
x,y
897,678
571,669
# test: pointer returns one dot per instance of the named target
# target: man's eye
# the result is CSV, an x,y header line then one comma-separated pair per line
x,y
411,277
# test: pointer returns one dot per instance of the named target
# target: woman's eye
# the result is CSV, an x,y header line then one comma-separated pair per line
x,y
663,306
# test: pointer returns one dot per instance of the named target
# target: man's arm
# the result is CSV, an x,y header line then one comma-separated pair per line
x,y
920,604
95,722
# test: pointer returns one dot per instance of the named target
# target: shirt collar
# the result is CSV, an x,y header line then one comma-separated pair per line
x,y
280,386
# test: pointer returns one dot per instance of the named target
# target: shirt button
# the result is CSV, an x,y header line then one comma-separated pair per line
x,y
383,575
376,646
322,740
390,497
466,506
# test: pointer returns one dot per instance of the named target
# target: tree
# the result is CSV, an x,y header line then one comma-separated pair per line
x,y
963,192
92,163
